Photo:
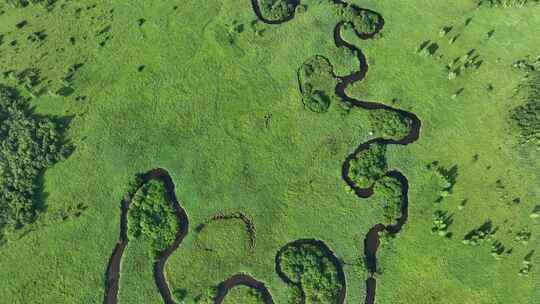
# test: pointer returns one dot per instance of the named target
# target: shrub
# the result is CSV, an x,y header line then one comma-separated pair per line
x,y
389,193
29,144
523,236
390,124
207,296
526,265
365,22
526,117
368,165
479,235
316,81
441,222
152,216
24,3
446,178
311,265
277,10
505,3
243,294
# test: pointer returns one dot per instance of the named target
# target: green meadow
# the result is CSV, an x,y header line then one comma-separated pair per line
x,y
245,118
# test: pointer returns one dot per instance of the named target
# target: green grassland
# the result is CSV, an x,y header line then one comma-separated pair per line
x,y
220,100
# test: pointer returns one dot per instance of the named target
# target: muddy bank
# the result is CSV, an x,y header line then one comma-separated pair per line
x,y
113,268
246,280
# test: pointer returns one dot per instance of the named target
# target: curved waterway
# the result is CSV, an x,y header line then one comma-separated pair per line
x,y
113,268
372,239
246,280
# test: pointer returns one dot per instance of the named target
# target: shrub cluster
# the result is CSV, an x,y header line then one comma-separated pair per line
x,y
446,178
28,145
389,192
523,236
243,294
25,3
441,222
316,80
313,269
479,235
471,60
526,265
152,216
365,22
207,296
526,117
505,3
277,10
390,124
368,165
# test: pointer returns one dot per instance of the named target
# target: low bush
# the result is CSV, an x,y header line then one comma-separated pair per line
x,y
368,166
441,222
277,10
446,179
480,235
526,117
365,22
29,144
312,267
389,124
505,3
25,3
207,296
152,216
317,81
243,294
390,195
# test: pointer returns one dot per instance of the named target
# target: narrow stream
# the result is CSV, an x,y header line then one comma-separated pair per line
x,y
113,268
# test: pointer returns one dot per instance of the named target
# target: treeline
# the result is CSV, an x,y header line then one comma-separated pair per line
x,y
28,145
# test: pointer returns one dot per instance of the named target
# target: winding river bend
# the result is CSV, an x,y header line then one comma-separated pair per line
x,y
113,268
246,280
372,239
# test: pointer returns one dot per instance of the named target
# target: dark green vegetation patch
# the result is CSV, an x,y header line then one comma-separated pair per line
x,y
364,22
368,165
390,124
317,83
506,3
245,295
527,116
29,144
389,191
277,10
313,267
152,216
